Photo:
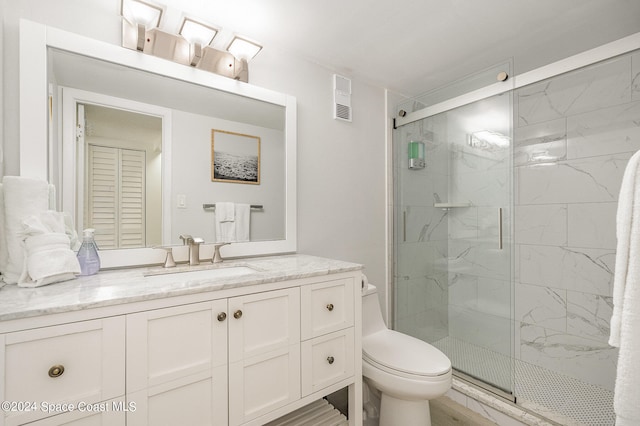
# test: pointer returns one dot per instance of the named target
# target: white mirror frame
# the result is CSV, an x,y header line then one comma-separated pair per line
x,y
36,38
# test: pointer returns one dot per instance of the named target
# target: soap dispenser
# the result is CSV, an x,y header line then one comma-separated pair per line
x,y
88,254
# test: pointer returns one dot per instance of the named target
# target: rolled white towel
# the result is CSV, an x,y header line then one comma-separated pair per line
x,y
23,197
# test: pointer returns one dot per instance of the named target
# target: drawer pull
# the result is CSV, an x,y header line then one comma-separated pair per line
x,y
330,307
330,360
56,371
222,316
237,314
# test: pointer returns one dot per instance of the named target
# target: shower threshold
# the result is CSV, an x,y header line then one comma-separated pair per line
x,y
502,393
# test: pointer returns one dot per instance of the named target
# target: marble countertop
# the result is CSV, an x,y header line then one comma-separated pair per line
x,y
134,285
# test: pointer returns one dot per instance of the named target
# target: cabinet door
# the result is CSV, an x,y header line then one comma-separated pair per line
x,y
263,322
264,352
177,365
73,363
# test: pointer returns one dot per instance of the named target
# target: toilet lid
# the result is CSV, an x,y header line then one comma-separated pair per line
x,y
404,353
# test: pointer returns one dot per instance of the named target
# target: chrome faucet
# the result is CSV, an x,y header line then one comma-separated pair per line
x,y
194,248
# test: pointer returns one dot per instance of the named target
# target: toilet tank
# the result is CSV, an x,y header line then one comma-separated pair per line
x,y
371,313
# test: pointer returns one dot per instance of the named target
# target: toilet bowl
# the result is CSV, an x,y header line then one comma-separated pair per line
x,y
406,371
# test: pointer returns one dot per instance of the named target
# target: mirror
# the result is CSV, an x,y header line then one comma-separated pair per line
x,y
103,100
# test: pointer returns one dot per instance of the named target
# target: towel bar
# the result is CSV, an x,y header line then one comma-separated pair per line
x,y
213,206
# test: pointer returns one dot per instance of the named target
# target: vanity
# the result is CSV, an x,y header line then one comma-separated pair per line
x,y
242,342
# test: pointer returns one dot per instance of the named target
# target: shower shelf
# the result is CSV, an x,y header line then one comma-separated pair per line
x,y
446,206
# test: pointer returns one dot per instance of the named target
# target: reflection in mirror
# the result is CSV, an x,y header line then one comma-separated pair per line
x,y
122,181
128,214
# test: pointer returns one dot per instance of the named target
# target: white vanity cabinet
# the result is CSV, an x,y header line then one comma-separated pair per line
x,y
186,364
243,355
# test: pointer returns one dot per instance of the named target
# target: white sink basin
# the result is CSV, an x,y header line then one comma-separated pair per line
x,y
201,274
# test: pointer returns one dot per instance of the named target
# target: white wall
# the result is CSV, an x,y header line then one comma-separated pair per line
x,y
191,162
341,166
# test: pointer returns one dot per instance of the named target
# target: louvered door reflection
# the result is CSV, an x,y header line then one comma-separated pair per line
x,y
116,195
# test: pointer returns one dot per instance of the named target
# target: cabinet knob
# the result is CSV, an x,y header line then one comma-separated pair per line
x,y
330,360
56,371
237,314
330,307
222,316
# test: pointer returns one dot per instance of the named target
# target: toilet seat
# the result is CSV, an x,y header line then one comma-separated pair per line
x,y
398,353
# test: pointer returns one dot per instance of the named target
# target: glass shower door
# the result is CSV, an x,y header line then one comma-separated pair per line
x,y
453,250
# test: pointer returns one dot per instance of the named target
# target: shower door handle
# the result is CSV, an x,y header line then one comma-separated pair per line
x,y
404,226
500,228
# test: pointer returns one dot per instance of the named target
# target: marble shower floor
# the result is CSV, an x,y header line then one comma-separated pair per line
x,y
558,397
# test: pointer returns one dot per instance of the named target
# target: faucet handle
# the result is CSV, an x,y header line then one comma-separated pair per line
x,y
169,262
186,239
217,258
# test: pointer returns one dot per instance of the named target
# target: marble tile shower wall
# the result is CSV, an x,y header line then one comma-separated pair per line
x,y
574,135
421,269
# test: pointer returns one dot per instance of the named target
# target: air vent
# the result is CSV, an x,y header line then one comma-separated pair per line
x,y
341,98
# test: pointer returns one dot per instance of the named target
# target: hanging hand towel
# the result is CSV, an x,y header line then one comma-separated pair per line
x,y
225,222
23,197
225,212
243,222
625,321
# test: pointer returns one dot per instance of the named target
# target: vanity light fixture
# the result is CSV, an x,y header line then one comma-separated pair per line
x,y
242,48
198,35
140,15
192,46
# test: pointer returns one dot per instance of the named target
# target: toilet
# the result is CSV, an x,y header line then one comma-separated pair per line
x,y
406,371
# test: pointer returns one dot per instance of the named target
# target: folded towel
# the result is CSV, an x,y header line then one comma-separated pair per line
x,y
23,197
225,212
225,222
243,222
43,223
625,321
48,259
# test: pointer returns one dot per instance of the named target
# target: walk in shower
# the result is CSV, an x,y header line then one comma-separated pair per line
x,y
504,242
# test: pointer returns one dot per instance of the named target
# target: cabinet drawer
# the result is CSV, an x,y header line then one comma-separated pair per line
x,y
79,362
327,360
326,307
